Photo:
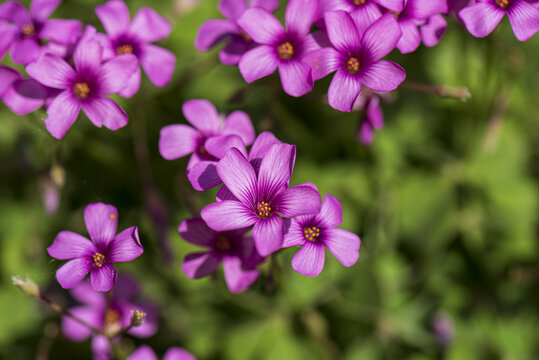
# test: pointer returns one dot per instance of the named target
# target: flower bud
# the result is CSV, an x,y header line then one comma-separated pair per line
x,y
27,286
137,317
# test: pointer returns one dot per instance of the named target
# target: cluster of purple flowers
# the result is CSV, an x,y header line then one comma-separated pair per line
x,y
104,64
256,212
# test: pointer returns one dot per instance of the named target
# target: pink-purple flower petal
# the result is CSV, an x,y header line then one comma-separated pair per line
x,y
298,200
106,112
330,212
481,18
268,234
51,71
239,176
232,9
203,175
365,16
423,9
343,244
261,25
70,245
309,260
296,77
176,353
158,63
410,38
228,215
42,9
25,50
114,15
103,278
239,123
214,31
198,265
219,145
125,246
433,30
150,26
143,352
101,222
343,91
197,232
323,62
342,32
62,113
61,31
202,115
300,15
381,37
74,330
258,62
115,74
383,76
238,277
176,141
276,169
24,96
294,235
524,19
88,55
395,5
72,272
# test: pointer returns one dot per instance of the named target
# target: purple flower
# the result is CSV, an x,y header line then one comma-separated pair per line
x,y
28,29
258,199
281,49
373,119
233,248
95,256
433,30
179,140
314,232
214,31
22,96
356,58
481,18
443,328
126,37
145,352
85,86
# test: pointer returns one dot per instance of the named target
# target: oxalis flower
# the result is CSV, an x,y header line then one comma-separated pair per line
x,y
126,37
28,29
316,232
145,352
281,49
22,96
482,17
258,200
95,256
233,248
215,31
84,86
356,58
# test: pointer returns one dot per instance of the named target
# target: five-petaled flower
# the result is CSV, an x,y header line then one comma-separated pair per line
x,y
95,256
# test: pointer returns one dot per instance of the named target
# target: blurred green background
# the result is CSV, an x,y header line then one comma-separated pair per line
x,y
445,203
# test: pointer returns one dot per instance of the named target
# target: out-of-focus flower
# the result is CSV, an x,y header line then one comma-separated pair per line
x,y
433,30
356,58
260,198
126,37
316,232
179,140
283,49
27,29
233,248
443,328
22,96
145,352
482,17
95,256
84,86
215,31
372,119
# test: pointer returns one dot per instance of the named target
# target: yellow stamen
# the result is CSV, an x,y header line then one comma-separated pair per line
x,y
99,260
81,90
28,30
285,51
502,3
112,216
112,317
396,14
124,49
264,210
359,2
352,65
245,36
311,233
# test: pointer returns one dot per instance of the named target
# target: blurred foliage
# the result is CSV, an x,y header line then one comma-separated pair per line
x,y
445,202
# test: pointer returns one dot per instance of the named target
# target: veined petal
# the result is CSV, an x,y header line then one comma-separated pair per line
x,y
197,232
296,77
228,215
176,353
268,234
524,19
238,277
114,15
25,50
433,30
70,245
323,62
423,9
395,5
143,352
331,212
261,25
7,34
213,32
232,52
158,63
115,74
51,71
24,96
301,14
198,265
219,145
103,278
85,294
149,25
270,5
365,16
62,113
15,12
276,170
481,18
232,9
294,235
224,194
42,9
309,260
298,200
239,176
343,244
383,75
343,91
410,38
342,32
176,141
203,175
257,63
88,55
101,221
61,31
262,144
75,331
125,246
202,115
381,37
239,123
133,84
104,111
72,272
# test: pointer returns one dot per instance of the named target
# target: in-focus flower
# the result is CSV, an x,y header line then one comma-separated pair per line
x,y
22,96
179,140
258,199
84,86
215,31
95,256
356,58
482,17
145,352
126,37
283,49
316,232
27,29
233,248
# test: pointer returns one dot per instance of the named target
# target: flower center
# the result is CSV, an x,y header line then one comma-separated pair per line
x,y
222,243
28,30
112,317
81,90
245,36
359,2
264,210
285,51
124,49
352,65
99,260
502,3
396,14
311,233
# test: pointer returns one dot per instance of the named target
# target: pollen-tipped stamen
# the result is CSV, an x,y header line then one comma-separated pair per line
x,y
359,2
124,49
285,51
352,65
264,210
99,260
311,233
81,90
502,3
28,30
